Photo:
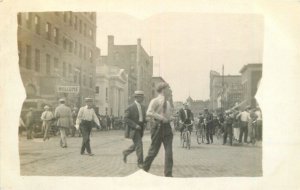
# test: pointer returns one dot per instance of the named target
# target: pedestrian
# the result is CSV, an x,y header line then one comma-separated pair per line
x,y
244,120
73,128
236,124
186,118
161,111
208,122
47,117
86,117
63,114
135,119
22,126
229,118
259,124
108,122
29,123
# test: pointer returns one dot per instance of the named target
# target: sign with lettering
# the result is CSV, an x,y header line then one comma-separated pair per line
x,y
68,89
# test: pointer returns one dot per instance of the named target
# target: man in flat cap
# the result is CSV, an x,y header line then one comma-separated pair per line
x,y
135,118
161,110
85,118
46,117
63,114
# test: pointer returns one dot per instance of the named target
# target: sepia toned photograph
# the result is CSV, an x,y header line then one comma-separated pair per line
x,y
108,94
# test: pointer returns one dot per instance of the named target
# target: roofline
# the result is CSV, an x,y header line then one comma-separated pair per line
x,y
250,65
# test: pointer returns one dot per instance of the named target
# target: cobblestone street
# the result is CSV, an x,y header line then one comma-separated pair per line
x,y
40,158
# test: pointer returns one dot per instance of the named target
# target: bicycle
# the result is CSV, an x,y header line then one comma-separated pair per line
x,y
186,136
200,134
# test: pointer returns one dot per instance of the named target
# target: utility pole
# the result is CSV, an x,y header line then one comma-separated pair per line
x,y
222,95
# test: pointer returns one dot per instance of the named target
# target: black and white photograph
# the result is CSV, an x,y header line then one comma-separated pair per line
x,y
172,95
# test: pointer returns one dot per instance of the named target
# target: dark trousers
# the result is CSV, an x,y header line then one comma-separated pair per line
x,y
161,133
259,130
137,146
29,130
243,131
86,127
228,131
209,134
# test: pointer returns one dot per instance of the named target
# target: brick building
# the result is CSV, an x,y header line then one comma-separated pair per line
x,y
57,49
155,81
218,83
136,62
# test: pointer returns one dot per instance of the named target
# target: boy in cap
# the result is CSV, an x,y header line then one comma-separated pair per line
x,y
135,118
85,118
46,117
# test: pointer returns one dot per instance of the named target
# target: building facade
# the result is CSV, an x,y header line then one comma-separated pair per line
x,y
137,64
218,84
251,76
197,106
111,89
58,49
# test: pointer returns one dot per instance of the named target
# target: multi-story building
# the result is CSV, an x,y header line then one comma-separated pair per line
x,y
136,62
155,81
197,106
251,76
111,89
218,84
57,54
230,97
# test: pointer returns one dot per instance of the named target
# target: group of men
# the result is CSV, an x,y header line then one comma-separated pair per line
x,y
160,115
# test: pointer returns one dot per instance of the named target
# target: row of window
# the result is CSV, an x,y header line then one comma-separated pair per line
x,y
73,21
34,63
54,33
97,91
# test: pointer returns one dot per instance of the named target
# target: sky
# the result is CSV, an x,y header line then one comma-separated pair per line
x,y
186,46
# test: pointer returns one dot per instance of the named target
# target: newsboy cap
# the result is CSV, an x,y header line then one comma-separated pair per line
x,y
62,100
138,93
88,99
161,86
46,107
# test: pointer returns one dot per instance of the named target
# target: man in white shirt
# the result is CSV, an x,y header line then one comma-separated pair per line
x,y
244,118
85,118
46,117
259,124
161,110
135,119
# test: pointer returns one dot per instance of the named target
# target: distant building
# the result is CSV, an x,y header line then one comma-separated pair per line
x,y
230,97
136,62
197,106
57,55
251,76
111,89
155,81
218,83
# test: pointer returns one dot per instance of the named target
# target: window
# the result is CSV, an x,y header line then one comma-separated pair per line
x,y
56,35
132,56
80,50
28,20
97,89
70,18
75,22
37,60
64,69
80,26
65,16
92,16
70,46
70,69
84,30
91,82
84,53
65,43
28,56
19,19
75,48
75,77
55,62
37,24
84,81
91,56
91,34
48,31
20,52
106,94
48,64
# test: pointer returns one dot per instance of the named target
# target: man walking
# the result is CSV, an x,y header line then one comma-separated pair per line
x,y
64,121
86,117
46,117
161,110
228,131
29,123
135,118
208,122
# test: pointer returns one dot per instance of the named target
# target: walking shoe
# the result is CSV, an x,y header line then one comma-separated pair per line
x,y
91,154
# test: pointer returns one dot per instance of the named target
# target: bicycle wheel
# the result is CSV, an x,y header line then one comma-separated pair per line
x,y
198,136
183,139
188,140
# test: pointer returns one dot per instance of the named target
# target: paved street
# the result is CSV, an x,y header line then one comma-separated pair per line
x,y
48,159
